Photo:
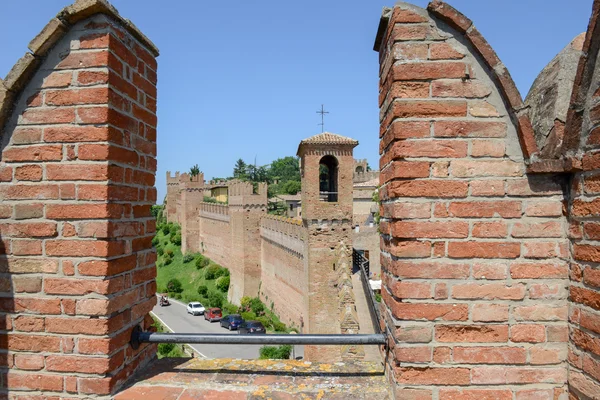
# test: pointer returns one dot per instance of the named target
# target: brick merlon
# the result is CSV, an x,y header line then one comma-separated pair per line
x,y
56,29
498,71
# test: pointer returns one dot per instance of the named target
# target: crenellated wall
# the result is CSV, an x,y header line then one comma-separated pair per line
x,y
283,282
475,255
78,122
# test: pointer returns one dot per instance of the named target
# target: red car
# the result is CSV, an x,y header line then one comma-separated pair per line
x,y
213,314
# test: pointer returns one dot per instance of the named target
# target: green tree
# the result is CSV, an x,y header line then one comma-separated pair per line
x,y
257,174
291,187
194,171
285,169
240,170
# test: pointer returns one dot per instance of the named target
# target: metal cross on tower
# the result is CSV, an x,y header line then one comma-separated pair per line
x,y
322,112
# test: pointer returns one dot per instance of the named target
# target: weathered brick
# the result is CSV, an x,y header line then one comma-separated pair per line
x,y
477,129
471,333
490,355
490,291
471,169
490,312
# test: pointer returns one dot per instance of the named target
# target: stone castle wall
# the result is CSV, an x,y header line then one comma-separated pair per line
x,y
214,233
283,281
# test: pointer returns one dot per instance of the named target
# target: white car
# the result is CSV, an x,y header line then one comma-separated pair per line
x,y
195,308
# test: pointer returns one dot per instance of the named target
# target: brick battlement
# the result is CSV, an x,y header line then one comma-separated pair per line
x,y
172,179
288,233
213,210
78,170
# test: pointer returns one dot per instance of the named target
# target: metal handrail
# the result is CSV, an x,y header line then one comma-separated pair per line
x,y
371,302
138,336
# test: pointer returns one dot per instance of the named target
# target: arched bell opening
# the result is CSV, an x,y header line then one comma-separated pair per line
x,y
328,179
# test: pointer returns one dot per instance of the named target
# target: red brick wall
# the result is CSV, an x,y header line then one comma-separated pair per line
x,y
474,250
215,233
283,279
77,183
582,138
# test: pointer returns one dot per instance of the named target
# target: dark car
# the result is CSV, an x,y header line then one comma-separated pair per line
x,y
252,327
232,321
212,314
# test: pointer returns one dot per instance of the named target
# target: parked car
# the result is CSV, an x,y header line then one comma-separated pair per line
x,y
213,314
232,321
195,308
252,327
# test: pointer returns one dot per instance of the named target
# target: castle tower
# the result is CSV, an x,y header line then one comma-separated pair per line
x,y
192,194
247,205
327,167
172,195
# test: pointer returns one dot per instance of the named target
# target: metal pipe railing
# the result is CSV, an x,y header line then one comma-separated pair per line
x,y
372,304
138,337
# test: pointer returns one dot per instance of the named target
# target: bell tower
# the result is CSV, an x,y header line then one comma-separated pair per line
x,y
327,168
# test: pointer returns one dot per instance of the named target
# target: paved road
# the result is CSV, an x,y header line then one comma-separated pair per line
x,y
178,320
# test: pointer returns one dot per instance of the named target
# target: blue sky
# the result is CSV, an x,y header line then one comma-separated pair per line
x,y
245,78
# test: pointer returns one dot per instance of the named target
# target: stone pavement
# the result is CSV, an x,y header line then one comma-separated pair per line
x,y
232,379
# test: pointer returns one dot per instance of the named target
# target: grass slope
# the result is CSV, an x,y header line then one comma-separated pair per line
x,y
187,273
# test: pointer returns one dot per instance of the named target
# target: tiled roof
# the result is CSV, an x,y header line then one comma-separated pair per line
x,y
329,138
373,182
290,197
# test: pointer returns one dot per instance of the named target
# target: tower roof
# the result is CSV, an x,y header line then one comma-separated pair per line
x,y
328,138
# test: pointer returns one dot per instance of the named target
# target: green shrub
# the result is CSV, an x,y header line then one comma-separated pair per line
x,y
167,259
223,283
155,241
215,299
229,308
188,258
265,321
378,297
211,272
279,326
202,262
176,239
245,301
248,316
169,252
256,305
174,229
165,348
174,286
160,251
202,290
275,352
165,229
159,265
